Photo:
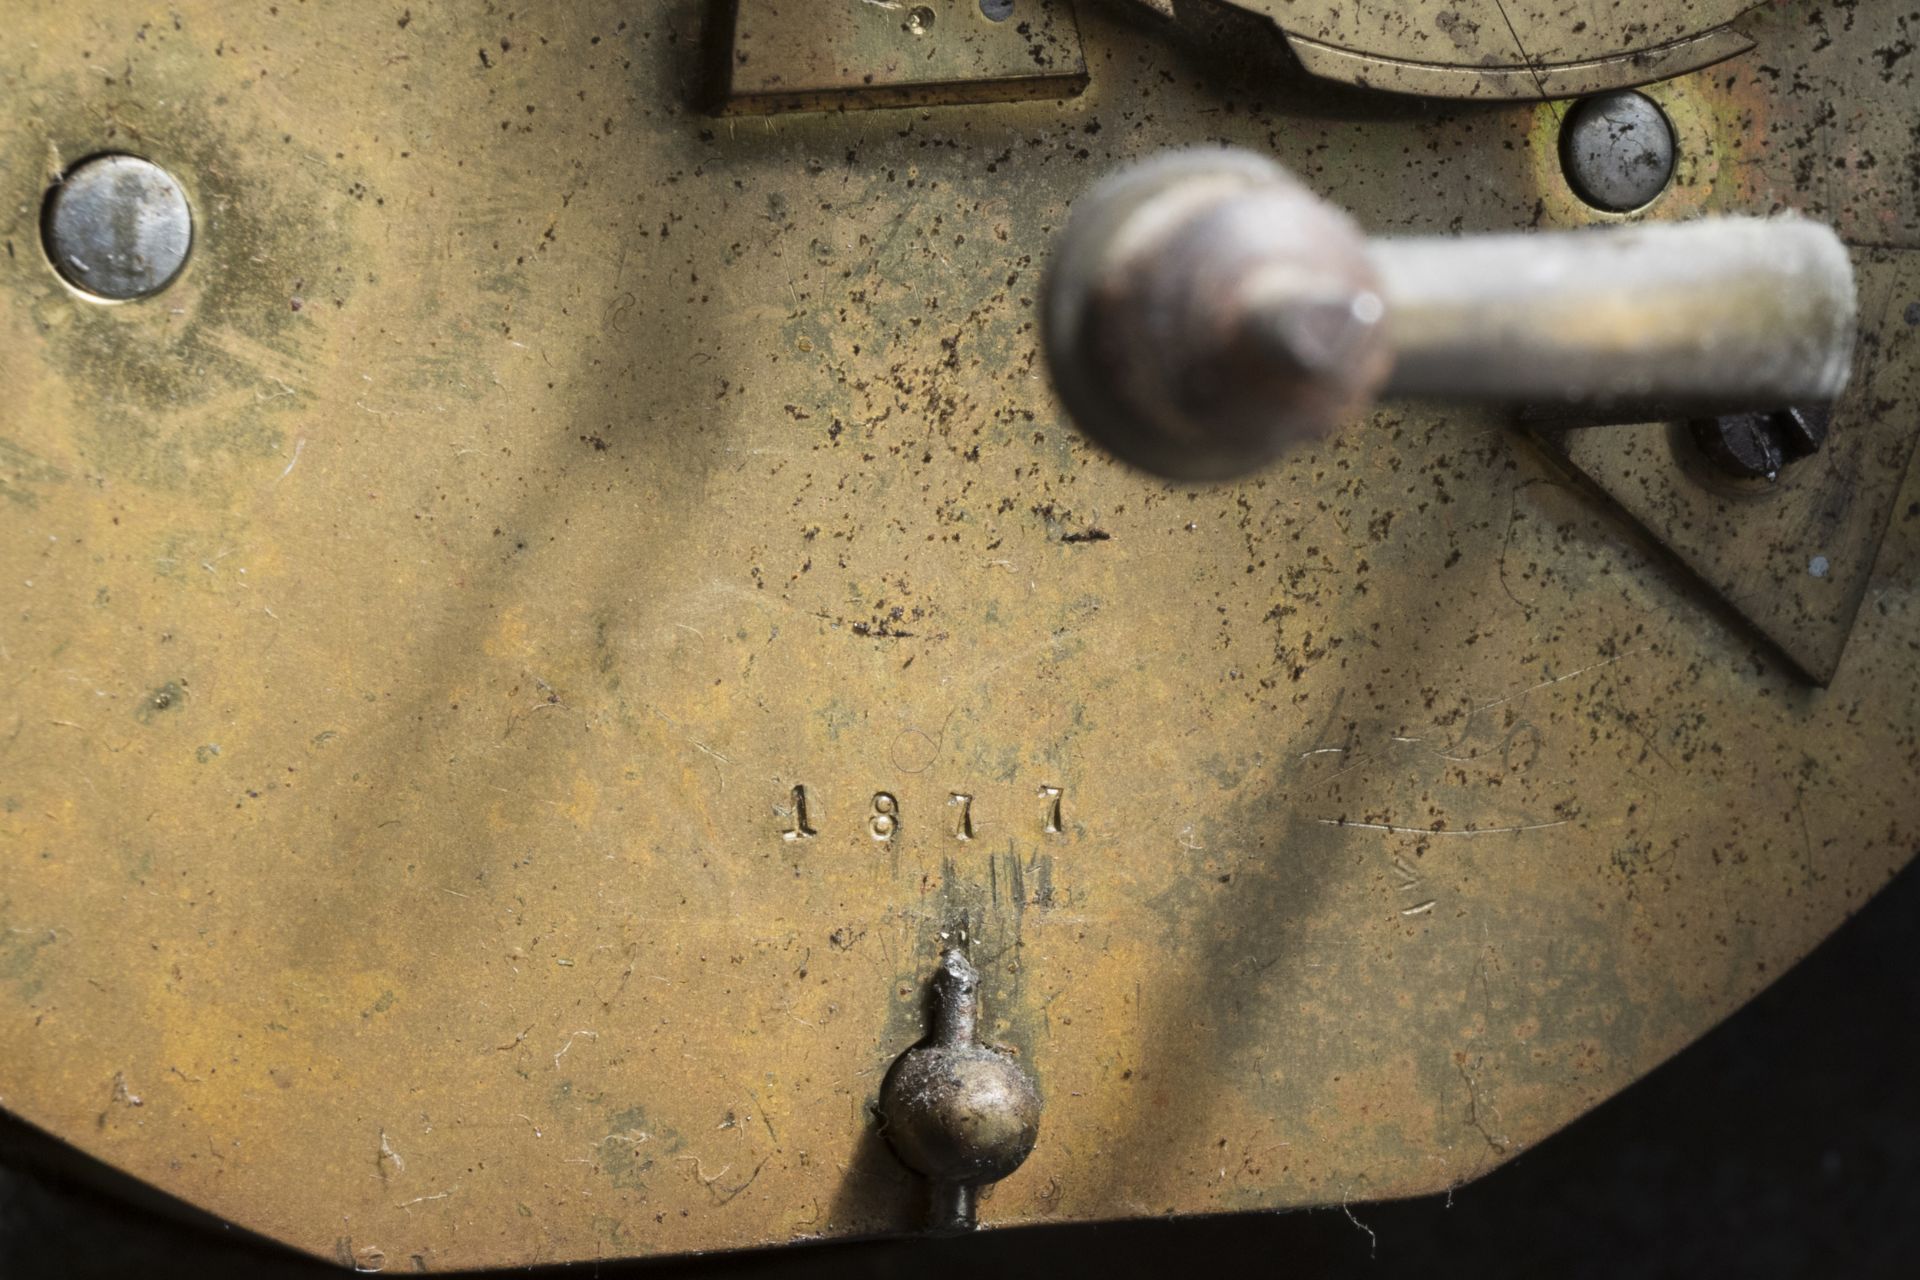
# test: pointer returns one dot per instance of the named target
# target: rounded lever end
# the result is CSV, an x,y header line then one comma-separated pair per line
x,y
1205,312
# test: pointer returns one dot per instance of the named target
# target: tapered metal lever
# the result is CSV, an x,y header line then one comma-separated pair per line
x,y
1204,312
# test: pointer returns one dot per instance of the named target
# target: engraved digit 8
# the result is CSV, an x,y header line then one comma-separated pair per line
x,y
885,819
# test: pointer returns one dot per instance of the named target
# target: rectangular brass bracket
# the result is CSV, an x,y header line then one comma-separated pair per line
x,y
843,55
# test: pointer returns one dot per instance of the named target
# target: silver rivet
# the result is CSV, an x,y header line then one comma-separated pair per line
x,y
117,227
1617,150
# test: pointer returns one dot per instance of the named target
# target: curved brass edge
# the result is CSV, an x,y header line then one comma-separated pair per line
x,y
1556,80
941,94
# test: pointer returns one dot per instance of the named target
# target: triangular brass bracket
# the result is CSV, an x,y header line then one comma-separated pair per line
x,y
1792,556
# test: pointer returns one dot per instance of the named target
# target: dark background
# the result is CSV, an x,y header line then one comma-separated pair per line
x,y
1782,1144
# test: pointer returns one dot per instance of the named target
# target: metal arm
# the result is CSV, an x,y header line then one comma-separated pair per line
x,y
1205,311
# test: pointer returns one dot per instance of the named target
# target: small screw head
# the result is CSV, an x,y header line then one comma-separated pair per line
x,y
1754,446
1617,150
1802,431
117,227
1741,444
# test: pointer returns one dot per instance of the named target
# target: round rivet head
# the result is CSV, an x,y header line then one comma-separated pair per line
x,y
962,1114
117,227
1617,150
955,1110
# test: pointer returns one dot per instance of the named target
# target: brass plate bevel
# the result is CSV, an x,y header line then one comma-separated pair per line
x,y
800,55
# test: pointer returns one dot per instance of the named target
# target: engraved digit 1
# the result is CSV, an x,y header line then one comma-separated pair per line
x,y
797,814
885,819
963,825
1052,824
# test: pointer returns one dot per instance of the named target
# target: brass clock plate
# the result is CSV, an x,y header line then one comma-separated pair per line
x,y
463,637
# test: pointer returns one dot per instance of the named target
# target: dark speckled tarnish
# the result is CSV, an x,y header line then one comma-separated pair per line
x,y
532,479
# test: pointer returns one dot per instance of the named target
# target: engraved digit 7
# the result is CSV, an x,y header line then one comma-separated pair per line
x,y
963,825
1052,825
